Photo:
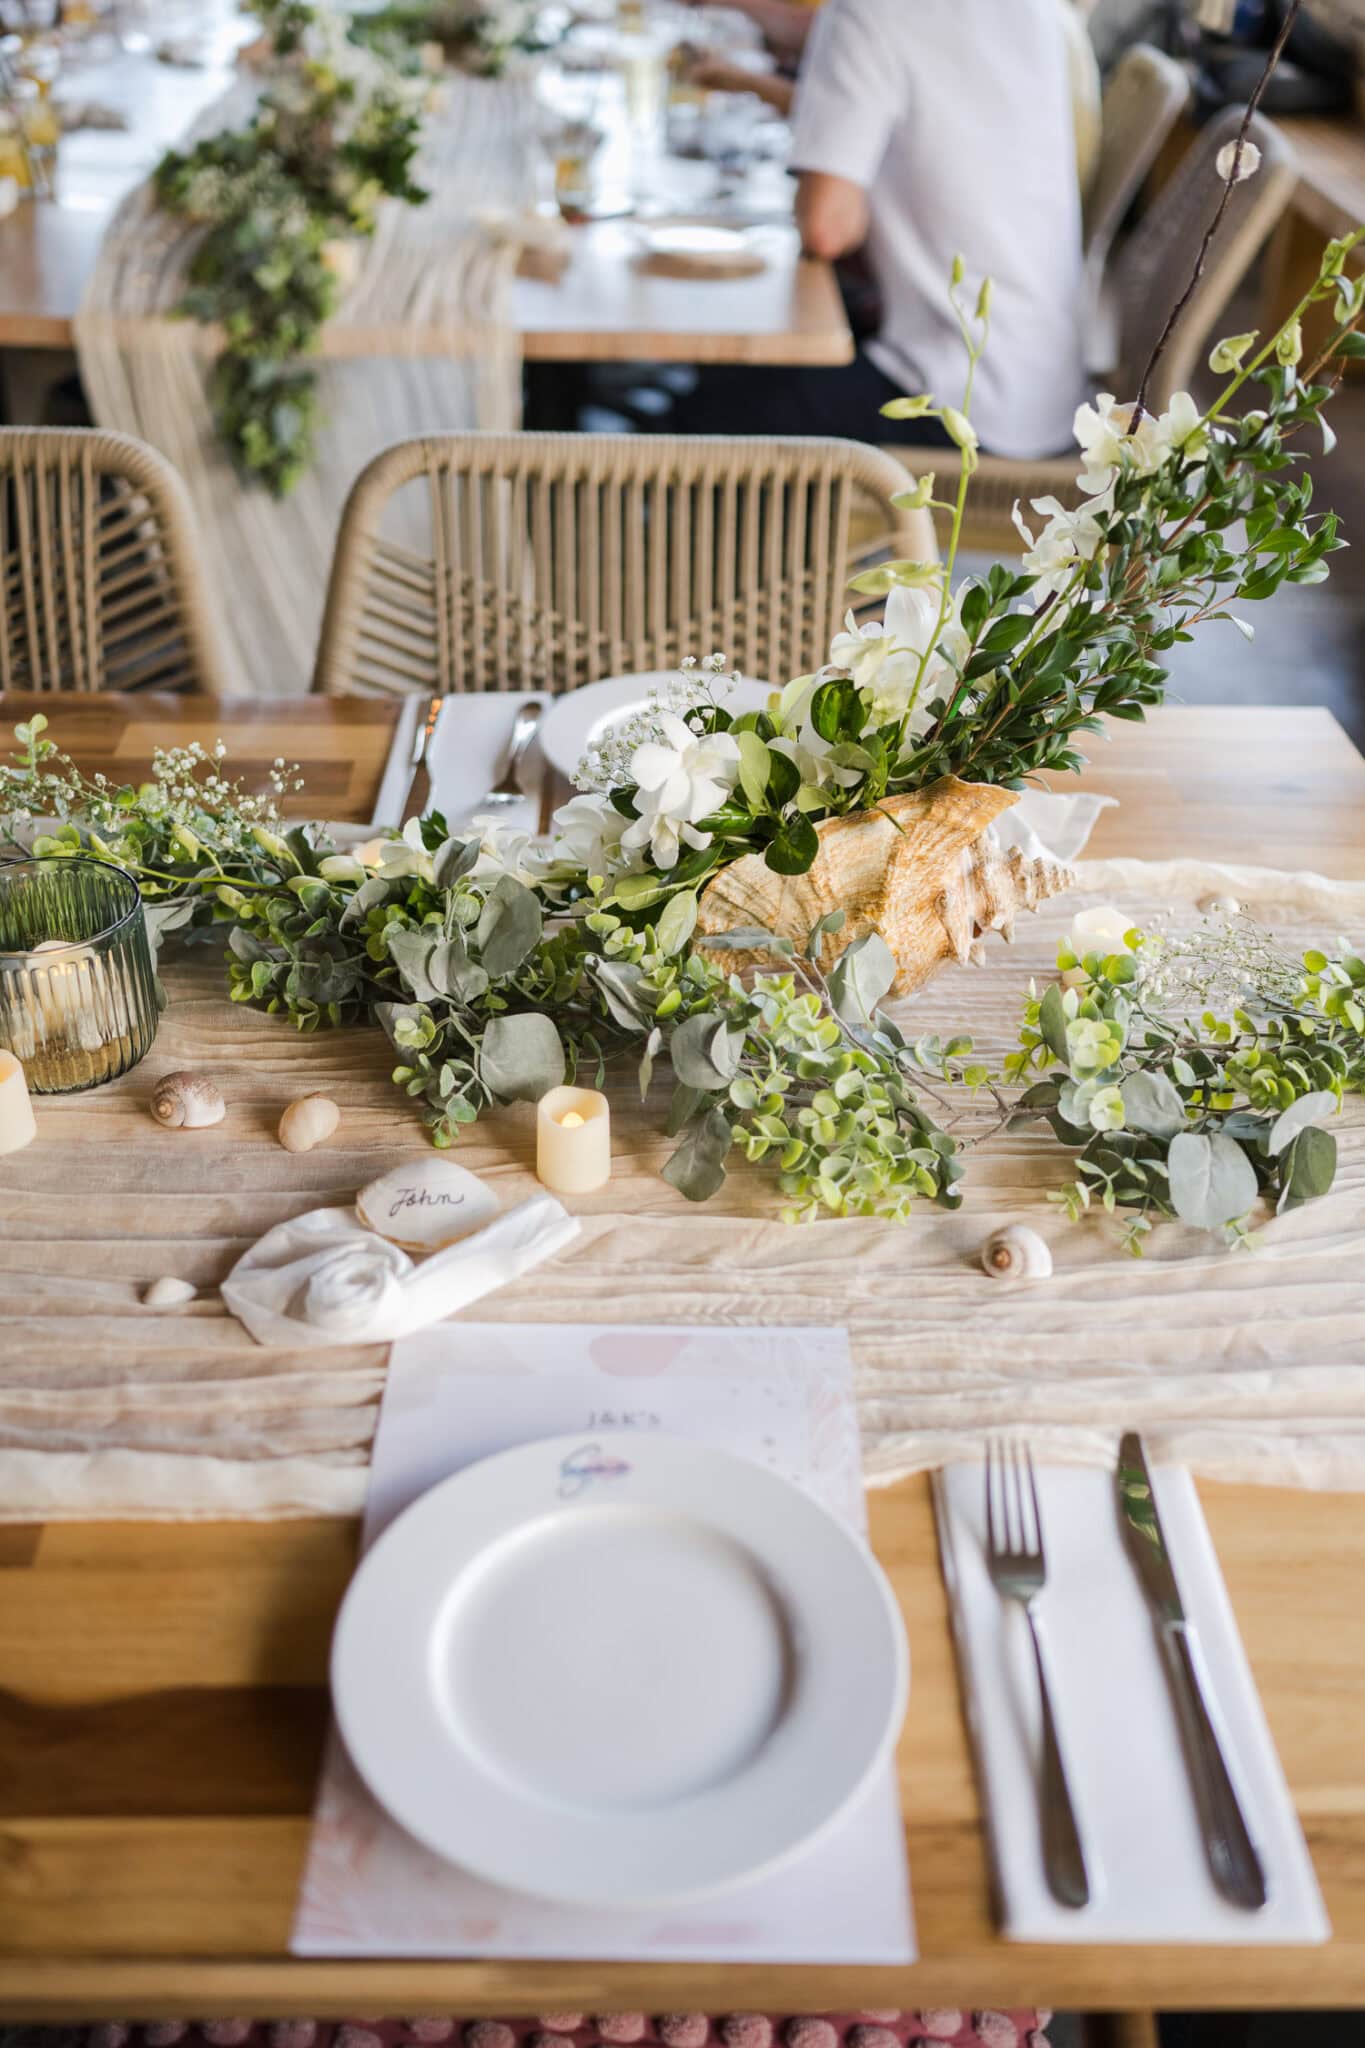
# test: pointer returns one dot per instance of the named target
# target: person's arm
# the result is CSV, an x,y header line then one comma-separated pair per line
x,y
831,213
784,23
717,74
849,96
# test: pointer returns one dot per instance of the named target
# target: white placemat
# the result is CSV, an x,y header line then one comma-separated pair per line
x,y
460,1392
465,757
1117,1724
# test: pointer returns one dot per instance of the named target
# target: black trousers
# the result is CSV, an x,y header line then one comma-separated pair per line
x,y
739,398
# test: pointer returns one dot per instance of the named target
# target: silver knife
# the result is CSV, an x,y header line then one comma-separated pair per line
x,y
418,793
1233,1860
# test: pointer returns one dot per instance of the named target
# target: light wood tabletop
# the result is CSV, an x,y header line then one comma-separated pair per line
x,y
605,305
163,1698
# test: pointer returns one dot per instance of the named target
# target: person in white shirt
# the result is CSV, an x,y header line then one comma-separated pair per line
x,y
925,128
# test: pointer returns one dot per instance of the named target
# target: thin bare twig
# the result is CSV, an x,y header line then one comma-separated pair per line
x,y
1276,52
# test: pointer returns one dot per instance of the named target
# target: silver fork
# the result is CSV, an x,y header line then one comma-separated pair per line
x,y
1017,1565
507,789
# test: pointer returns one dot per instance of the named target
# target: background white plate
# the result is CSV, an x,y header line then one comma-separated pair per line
x,y
576,720
618,1671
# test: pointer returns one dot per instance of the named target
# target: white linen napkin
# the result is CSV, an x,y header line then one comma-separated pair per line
x,y
465,758
324,1279
1120,1738
1047,824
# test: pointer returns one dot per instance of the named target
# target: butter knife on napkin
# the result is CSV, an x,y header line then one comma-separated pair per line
x,y
1234,1863
419,783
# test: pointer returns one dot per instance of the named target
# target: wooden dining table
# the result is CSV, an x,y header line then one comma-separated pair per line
x,y
163,1693
602,305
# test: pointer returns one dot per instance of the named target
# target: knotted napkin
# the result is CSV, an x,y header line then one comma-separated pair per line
x,y
325,1279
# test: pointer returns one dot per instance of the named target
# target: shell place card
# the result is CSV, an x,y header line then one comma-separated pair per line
x,y
425,1204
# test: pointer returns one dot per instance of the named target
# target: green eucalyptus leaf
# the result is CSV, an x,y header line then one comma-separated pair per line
x,y
860,977
621,982
684,1104
1309,1167
521,1057
704,1052
411,953
454,860
1309,1109
1212,1181
697,1168
1052,1022
678,920
509,926
1152,1103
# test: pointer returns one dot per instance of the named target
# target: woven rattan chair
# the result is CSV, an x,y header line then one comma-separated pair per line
x,y
552,560
1149,275
1145,96
100,578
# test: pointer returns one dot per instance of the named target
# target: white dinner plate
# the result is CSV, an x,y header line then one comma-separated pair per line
x,y
618,1670
580,718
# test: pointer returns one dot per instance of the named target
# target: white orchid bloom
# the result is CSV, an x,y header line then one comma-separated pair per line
x,y
406,856
588,833
1183,430
503,850
1103,432
1070,537
679,780
342,867
1108,439
885,657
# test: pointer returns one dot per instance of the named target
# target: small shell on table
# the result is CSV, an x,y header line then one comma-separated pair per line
x,y
1016,1253
921,869
308,1122
185,1101
168,1292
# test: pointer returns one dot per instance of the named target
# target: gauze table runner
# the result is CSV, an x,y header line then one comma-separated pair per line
x,y
421,343
1244,1366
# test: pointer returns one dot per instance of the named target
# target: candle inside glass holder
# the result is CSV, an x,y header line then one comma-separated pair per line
x,y
77,991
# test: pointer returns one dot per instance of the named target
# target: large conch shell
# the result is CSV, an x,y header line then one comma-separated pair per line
x,y
921,869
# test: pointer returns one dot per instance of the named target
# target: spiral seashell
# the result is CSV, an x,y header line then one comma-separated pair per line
x,y
922,869
186,1101
1016,1253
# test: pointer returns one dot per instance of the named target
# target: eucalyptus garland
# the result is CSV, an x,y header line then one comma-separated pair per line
x,y
335,129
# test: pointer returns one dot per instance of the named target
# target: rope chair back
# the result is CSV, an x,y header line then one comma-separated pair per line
x,y
552,560
1152,268
101,586
1146,94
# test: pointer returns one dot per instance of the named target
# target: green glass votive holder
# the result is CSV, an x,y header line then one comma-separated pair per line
x,y
77,990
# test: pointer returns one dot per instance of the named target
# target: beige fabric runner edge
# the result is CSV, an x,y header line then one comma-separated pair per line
x,y
1245,1367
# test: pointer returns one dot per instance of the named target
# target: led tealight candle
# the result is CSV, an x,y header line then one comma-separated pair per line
x,y
573,1140
1100,930
16,1111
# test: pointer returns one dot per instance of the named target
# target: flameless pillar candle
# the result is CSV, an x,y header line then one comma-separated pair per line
x,y
573,1140
1100,930
16,1111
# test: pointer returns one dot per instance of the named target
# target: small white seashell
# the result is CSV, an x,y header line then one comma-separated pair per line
x,y
1016,1253
307,1122
425,1204
185,1101
1219,906
168,1292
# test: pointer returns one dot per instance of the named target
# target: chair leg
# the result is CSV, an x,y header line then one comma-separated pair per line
x,y
1121,2030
